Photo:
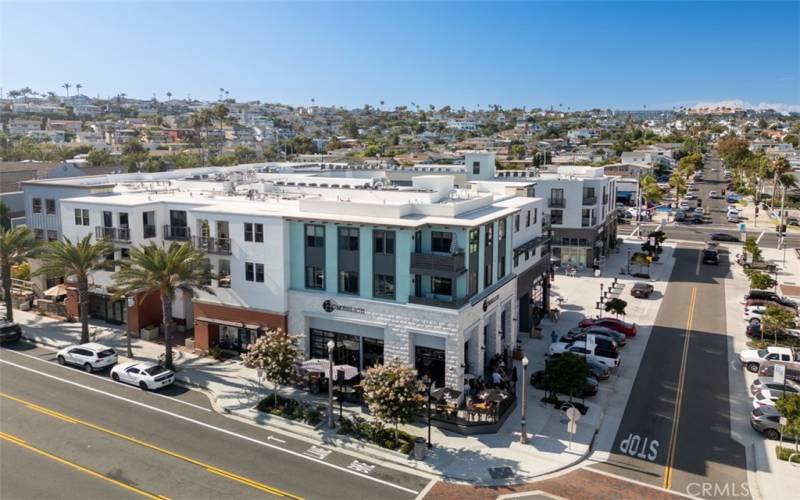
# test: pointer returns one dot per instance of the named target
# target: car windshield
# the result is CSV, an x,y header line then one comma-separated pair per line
x,y
762,353
155,370
106,353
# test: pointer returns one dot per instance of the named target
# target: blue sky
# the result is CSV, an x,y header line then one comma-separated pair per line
x,y
582,55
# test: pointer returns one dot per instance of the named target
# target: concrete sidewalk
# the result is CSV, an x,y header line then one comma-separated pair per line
x,y
235,389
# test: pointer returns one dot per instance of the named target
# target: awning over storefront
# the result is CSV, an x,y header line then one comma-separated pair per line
x,y
530,245
223,322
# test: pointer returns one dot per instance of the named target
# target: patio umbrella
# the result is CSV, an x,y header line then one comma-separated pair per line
x,y
350,371
315,365
56,291
445,393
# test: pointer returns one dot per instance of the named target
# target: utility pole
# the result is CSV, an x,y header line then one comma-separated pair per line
x,y
781,219
639,204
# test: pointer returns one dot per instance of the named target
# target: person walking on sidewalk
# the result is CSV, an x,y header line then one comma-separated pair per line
x,y
553,337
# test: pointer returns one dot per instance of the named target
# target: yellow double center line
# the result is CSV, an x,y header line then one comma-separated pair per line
x,y
210,468
21,443
679,396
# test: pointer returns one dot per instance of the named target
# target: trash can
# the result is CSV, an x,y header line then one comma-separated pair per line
x,y
419,448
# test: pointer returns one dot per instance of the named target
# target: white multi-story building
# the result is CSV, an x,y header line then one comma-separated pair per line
x,y
425,273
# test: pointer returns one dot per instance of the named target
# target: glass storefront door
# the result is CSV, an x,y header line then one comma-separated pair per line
x,y
113,311
429,361
361,352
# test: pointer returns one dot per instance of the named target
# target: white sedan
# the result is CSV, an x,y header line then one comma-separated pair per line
x,y
752,314
145,374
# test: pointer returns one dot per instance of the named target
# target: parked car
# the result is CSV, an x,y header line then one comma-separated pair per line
x,y
711,256
792,370
91,356
733,218
752,359
714,194
770,297
756,264
641,290
598,370
793,221
608,358
629,329
146,374
771,384
753,314
765,397
619,338
724,237
9,332
590,388
599,340
766,420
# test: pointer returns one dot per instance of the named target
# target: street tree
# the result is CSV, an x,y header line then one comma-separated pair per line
x,y
678,182
788,405
98,157
775,320
616,306
16,246
567,374
77,261
153,269
760,280
751,246
273,356
390,391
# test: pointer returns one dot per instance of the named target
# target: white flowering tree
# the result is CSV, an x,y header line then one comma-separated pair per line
x,y
274,355
391,392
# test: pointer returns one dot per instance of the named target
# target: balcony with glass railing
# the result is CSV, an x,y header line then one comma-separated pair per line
x,y
118,234
217,246
178,233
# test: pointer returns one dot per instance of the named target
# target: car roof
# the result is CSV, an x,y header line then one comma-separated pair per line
x,y
641,284
94,346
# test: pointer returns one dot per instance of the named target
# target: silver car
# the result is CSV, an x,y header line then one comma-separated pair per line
x,y
769,383
766,420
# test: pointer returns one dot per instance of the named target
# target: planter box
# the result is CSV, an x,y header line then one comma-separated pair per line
x,y
189,344
24,306
149,333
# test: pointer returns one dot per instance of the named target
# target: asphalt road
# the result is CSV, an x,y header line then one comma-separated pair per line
x,y
101,439
675,432
716,216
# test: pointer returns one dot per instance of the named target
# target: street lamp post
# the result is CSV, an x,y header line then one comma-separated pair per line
x,y
428,381
524,434
331,345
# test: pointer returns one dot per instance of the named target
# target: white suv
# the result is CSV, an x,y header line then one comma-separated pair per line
x,y
90,357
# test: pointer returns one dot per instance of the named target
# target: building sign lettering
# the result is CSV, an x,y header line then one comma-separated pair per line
x,y
330,305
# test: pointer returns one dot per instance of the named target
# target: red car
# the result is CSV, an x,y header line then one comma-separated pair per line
x,y
629,329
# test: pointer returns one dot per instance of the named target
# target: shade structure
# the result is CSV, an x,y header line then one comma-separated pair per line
x,y
56,291
315,365
445,393
350,372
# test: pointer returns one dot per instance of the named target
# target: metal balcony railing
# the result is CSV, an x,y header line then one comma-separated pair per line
x,y
427,263
180,233
590,200
122,234
218,246
556,202
433,301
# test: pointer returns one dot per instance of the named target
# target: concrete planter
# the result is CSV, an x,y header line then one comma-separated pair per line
x,y
149,333
189,344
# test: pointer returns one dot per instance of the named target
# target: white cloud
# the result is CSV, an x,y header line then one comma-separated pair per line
x,y
742,104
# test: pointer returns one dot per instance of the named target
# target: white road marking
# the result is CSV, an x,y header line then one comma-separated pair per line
x,y
428,487
117,384
212,427
317,452
361,467
273,438
699,257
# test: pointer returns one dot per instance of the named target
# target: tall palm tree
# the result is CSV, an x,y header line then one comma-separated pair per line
x,y
678,182
66,86
77,261
169,96
649,189
221,91
154,269
16,246
78,88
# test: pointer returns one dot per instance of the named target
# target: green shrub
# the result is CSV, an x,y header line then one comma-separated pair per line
x,y
290,409
376,433
215,352
784,453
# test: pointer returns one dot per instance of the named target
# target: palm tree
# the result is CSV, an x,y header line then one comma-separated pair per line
x,y
169,96
78,261
78,88
678,182
154,269
16,246
649,189
66,86
221,91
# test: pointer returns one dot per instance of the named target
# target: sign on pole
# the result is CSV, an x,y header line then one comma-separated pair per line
x,y
572,426
742,227
779,374
590,345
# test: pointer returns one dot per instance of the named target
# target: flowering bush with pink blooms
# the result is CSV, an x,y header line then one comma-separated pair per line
x,y
274,356
391,392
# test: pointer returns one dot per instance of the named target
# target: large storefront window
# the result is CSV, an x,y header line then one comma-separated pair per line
x,y
347,350
237,339
429,361
373,352
113,311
